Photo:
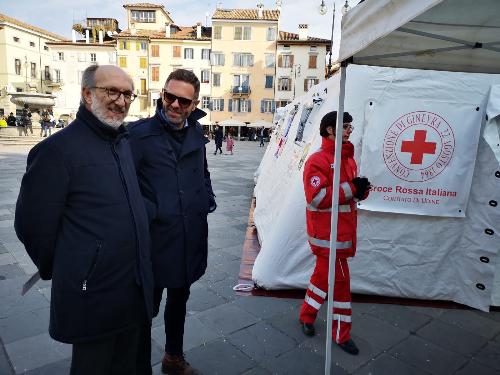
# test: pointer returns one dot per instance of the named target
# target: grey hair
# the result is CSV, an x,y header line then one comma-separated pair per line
x,y
88,80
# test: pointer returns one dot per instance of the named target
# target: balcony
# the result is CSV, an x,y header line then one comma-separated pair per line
x,y
240,91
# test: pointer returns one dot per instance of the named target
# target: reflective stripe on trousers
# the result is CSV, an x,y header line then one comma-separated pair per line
x,y
326,243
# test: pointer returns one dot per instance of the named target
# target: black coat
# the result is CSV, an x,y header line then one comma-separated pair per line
x,y
82,220
11,120
178,195
218,137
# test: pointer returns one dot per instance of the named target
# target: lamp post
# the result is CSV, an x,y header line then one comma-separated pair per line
x,y
323,9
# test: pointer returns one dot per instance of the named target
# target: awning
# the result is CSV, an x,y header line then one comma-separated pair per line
x,y
260,124
231,122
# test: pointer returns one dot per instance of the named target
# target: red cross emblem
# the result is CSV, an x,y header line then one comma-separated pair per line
x,y
418,147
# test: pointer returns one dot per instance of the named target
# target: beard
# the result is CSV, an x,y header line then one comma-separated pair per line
x,y
102,113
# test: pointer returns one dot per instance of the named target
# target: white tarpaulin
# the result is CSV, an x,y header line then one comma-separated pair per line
x,y
453,35
420,156
398,254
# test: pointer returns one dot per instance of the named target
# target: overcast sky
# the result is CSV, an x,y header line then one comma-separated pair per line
x,y
58,15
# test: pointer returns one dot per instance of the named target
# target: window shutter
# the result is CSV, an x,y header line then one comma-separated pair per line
x,y
222,59
280,61
137,46
312,61
273,106
230,105
249,105
291,84
305,85
222,104
262,106
211,105
316,81
291,60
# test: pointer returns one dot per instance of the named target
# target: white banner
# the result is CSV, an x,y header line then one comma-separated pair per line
x,y
419,156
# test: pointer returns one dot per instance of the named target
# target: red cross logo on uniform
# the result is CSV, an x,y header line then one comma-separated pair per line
x,y
418,147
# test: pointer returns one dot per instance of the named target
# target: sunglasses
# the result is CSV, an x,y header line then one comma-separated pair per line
x,y
170,98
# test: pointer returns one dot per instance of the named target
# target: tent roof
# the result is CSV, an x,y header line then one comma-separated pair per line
x,y
454,35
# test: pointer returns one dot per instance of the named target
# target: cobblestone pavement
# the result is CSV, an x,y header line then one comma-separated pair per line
x,y
229,334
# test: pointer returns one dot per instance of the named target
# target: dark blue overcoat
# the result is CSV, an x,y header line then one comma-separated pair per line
x,y
82,220
178,195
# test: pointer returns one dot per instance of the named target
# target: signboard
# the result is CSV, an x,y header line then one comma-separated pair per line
x,y
420,156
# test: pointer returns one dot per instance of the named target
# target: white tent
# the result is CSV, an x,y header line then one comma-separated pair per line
x,y
440,51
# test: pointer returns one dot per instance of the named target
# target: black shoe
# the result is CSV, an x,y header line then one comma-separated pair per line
x,y
349,347
308,328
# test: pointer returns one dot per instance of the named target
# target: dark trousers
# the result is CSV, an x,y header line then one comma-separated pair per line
x,y
113,355
174,317
218,147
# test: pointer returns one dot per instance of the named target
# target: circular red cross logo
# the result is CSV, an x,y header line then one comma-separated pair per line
x,y
418,146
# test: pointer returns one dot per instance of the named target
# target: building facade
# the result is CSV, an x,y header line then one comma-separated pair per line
x,y
153,46
69,60
25,66
300,64
243,64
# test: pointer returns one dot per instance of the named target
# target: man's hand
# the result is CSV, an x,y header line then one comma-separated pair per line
x,y
362,186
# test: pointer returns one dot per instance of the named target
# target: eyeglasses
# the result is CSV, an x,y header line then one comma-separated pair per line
x,y
170,98
114,94
348,126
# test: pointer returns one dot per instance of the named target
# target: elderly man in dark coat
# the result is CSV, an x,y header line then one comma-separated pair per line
x,y
90,232
169,150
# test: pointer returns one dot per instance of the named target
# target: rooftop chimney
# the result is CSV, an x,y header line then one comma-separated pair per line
x,y
73,36
133,30
303,31
87,36
198,30
167,30
101,37
260,10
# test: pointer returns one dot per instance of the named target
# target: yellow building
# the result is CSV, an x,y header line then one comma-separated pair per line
x,y
153,46
26,64
243,64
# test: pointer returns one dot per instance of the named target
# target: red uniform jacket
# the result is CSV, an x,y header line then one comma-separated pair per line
x,y
318,181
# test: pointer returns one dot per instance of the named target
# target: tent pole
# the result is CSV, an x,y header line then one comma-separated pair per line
x,y
334,220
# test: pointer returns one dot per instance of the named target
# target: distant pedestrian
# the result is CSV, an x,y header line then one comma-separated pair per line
x,y
229,143
11,120
261,137
46,123
26,119
218,137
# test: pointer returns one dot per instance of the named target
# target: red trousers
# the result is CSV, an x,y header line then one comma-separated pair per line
x,y
317,292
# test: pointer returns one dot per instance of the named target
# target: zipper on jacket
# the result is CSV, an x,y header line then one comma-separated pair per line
x,y
92,266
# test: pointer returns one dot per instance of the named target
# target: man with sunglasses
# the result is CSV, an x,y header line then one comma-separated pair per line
x,y
90,232
170,156
318,185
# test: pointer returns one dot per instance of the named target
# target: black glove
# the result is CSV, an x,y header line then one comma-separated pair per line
x,y
362,185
